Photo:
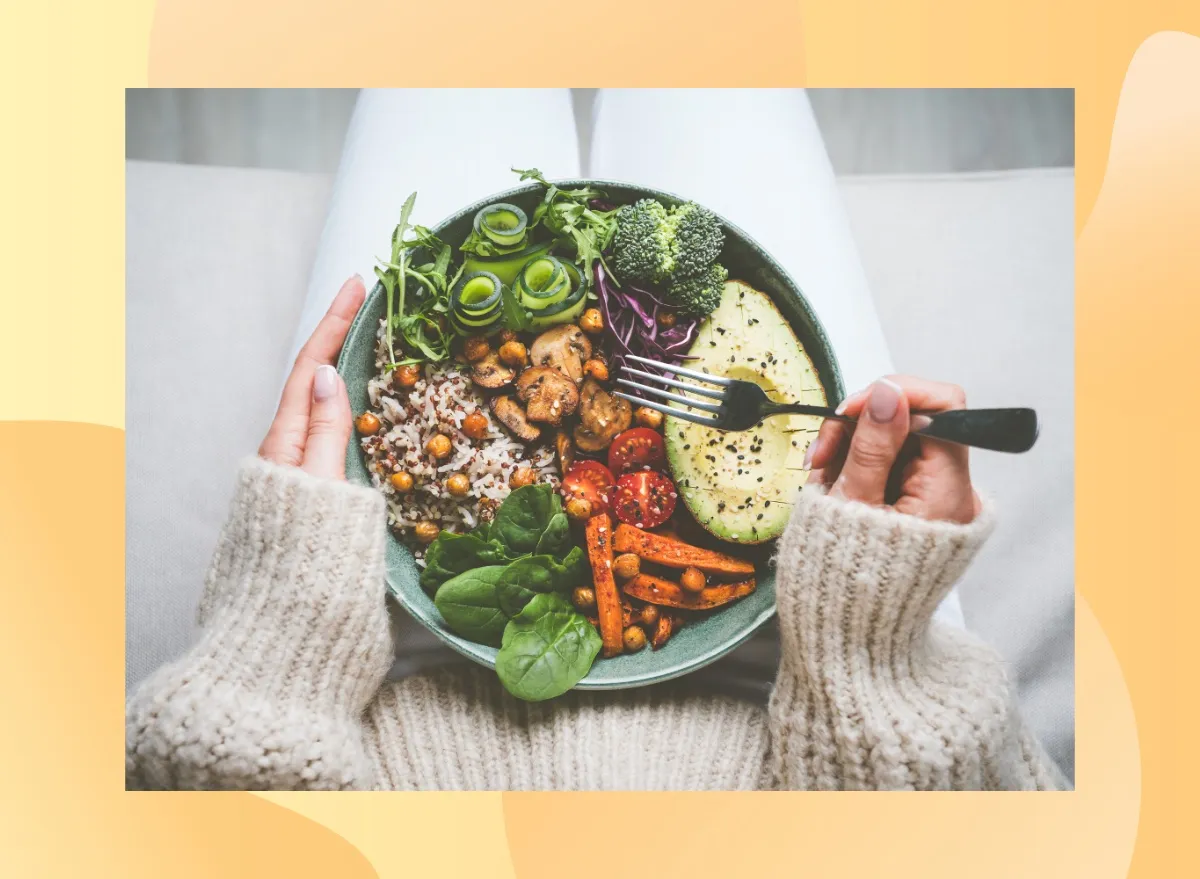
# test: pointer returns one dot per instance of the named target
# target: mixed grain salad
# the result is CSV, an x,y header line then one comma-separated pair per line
x,y
551,519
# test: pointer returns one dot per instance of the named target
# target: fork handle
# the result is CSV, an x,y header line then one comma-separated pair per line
x,y
999,430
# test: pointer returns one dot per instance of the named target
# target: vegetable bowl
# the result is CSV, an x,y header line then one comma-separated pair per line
x,y
488,289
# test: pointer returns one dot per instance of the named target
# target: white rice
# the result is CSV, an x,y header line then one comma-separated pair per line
x,y
438,403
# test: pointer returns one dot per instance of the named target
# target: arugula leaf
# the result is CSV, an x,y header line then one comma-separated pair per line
x,y
524,517
469,605
423,333
425,336
546,649
398,252
527,577
481,245
567,215
389,289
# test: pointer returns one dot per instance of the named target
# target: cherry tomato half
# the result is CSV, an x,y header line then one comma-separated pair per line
x,y
634,449
644,498
591,481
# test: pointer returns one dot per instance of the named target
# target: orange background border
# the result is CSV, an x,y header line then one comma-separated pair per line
x,y
1136,71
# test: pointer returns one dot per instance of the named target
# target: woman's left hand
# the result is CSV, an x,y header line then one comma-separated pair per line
x,y
313,423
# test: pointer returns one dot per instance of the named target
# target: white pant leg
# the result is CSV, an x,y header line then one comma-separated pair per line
x,y
453,146
757,157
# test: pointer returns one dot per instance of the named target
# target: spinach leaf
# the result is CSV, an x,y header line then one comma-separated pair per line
x,y
452,554
556,539
524,517
526,578
546,650
469,606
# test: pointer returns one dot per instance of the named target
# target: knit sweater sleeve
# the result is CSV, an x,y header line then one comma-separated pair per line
x,y
872,693
295,643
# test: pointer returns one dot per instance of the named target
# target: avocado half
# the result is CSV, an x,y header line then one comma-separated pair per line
x,y
740,485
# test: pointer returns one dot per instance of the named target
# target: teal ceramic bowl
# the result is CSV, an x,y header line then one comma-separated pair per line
x,y
697,644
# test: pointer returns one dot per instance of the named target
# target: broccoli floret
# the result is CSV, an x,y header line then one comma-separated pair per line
x,y
658,246
642,247
701,295
697,240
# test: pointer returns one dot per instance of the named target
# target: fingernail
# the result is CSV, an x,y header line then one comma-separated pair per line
x,y
842,406
810,454
357,277
884,401
325,383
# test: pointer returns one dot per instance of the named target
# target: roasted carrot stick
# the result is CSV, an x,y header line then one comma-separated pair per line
x,y
598,533
675,553
663,592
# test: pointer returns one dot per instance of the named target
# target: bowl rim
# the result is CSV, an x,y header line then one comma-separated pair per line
x,y
485,655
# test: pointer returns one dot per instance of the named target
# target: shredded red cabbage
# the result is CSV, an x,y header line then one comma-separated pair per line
x,y
631,323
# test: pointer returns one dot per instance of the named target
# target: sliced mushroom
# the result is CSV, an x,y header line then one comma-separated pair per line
x,y
565,449
548,395
601,417
491,373
564,347
512,416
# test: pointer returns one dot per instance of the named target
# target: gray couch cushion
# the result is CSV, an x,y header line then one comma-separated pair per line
x,y
216,264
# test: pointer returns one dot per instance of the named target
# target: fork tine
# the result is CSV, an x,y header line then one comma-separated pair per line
x,y
679,370
670,410
678,398
707,392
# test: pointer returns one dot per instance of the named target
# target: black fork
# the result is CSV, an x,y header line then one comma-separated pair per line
x,y
739,405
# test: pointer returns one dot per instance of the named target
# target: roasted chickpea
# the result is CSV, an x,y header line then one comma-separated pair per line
x,y
426,532
634,638
579,509
507,335
522,476
584,598
648,616
627,566
692,580
406,376
458,485
647,417
475,425
439,446
402,481
476,348
367,423
512,353
597,369
666,319
591,321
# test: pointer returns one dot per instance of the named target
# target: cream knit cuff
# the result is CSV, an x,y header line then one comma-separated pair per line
x,y
872,574
295,598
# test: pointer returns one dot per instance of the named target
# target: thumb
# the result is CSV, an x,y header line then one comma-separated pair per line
x,y
878,436
329,426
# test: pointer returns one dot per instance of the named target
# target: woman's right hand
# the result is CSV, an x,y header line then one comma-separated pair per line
x,y
312,425
876,461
